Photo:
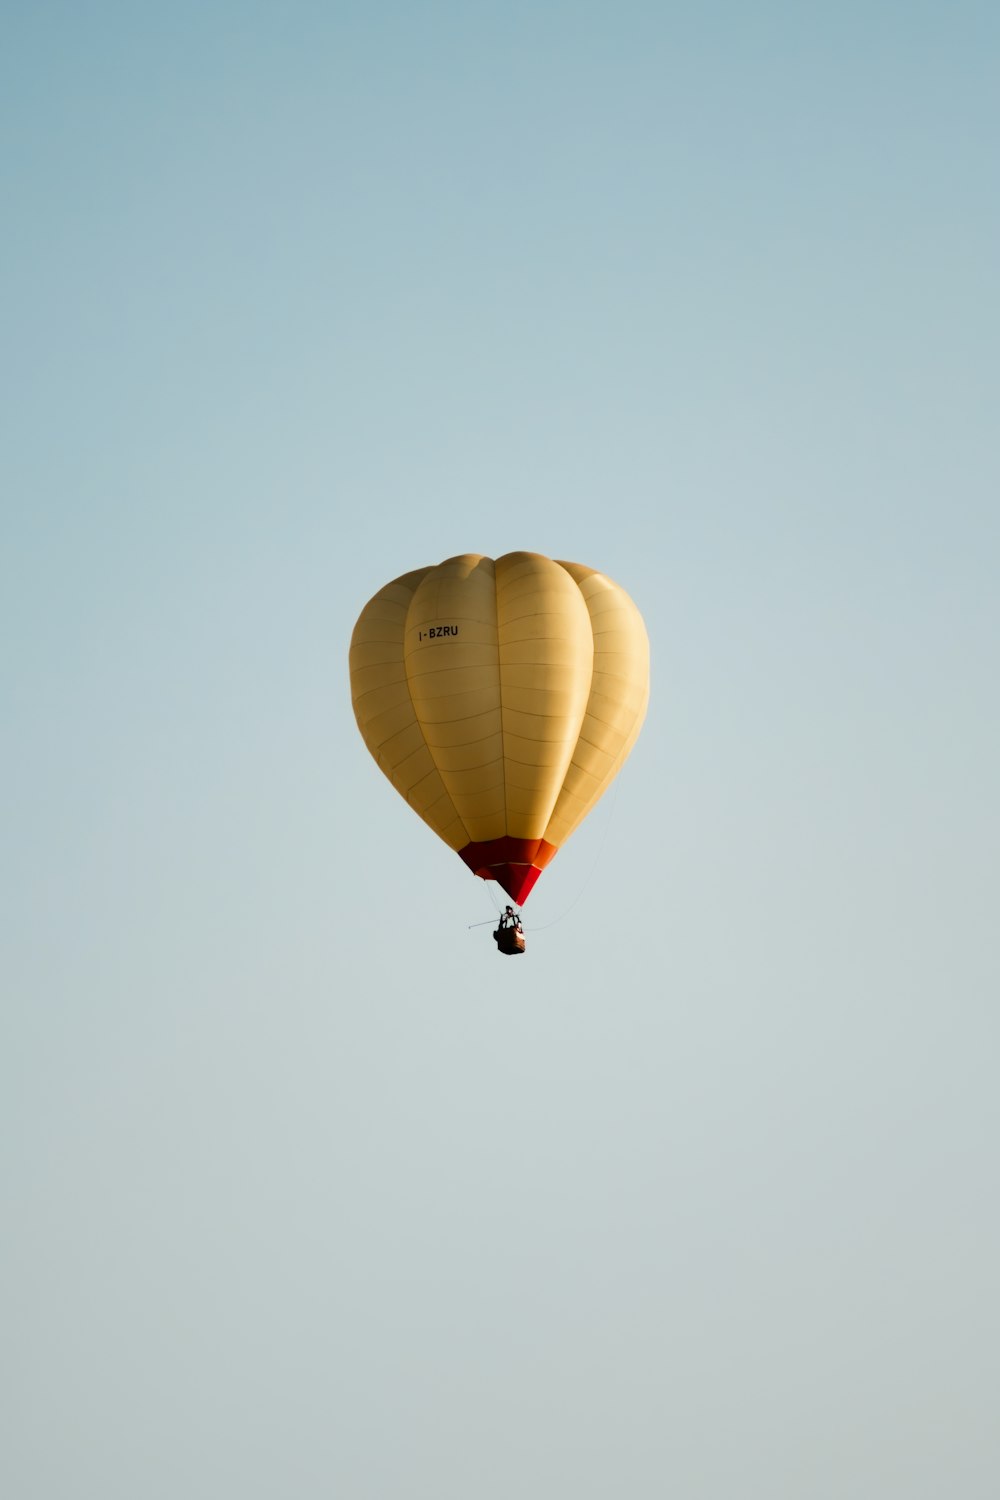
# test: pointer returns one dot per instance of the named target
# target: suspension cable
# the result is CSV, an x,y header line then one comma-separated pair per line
x,y
593,868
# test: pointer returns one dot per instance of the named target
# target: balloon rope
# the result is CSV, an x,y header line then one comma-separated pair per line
x,y
496,907
593,869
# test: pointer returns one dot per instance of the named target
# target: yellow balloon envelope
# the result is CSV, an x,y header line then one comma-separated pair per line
x,y
501,699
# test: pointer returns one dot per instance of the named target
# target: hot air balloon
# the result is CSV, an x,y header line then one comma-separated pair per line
x,y
501,698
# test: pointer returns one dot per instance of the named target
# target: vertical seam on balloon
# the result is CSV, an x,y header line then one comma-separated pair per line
x,y
416,716
586,705
503,714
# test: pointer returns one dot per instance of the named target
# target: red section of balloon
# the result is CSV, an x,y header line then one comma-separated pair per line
x,y
515,864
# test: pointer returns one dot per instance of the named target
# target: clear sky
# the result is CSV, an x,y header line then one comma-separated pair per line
x,y
307,1192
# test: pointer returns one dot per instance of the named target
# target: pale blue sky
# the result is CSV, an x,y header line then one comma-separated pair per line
x,y
307,1192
